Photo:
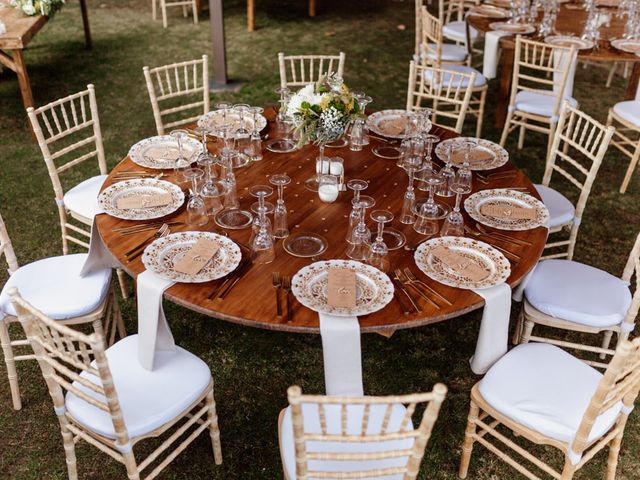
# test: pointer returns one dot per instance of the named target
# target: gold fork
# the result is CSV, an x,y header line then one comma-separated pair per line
x,y
276,281
286,285
482,229
135,252
512,256
400,281
413,279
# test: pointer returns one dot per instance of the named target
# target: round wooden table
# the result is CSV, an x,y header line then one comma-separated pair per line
x,y
252,301
571,20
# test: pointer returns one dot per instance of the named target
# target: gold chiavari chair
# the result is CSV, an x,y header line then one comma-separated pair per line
x,y
301,70
626,137
178,81
544,395
163,4
107,399
355,437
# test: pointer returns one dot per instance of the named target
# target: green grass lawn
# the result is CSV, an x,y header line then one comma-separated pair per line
x,y
253,368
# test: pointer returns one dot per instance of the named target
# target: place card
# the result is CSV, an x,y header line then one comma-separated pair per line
x,y
197,257
144,201
505,211
341,288
460,264
394,127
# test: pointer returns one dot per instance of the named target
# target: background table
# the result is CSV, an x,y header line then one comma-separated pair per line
x,y
571,21
252,301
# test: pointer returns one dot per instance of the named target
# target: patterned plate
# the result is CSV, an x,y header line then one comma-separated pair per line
x,y
373,288
490,154
107,200
161,256
160,152
511,198
389,123
569,41
489,11
478,252
501,3
521,28
627,45
213,120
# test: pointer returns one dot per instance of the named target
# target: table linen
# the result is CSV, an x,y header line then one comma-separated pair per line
x,y
341,355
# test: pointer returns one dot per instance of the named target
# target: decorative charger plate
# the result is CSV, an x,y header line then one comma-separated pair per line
x,y
509,198
522,28
627,45
108,198
489,11
569,41
389,123
475,251
160,152
374,289
212,121
488,155
161,256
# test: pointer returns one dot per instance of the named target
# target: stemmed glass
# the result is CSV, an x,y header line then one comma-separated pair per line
x,y
429,140
280,224
223,108
196,210
361,239
448,173
363,100
430,211
285,94
313,183
181,162
357,186
411,164
454,223
255,149
379,252
210,190
262,246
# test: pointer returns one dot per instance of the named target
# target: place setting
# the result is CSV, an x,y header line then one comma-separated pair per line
x,y
164,152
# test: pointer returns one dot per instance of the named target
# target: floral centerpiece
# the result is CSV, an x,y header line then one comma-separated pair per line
x,y
322,111
38,7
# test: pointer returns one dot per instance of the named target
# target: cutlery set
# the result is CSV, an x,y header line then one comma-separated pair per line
x,y
406,278
230,281
136,251
282,283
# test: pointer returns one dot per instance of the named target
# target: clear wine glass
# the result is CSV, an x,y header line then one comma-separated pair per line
x,y
262,247
267,208
361,239
211,190
379,252
196,210
224,108
280,224
357,186
255,149
363,100
454,223
448,173
412,165
429,141
181,162
285,94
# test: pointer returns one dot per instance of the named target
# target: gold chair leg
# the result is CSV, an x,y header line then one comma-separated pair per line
x,y
631,169
517,334
483,96
11,365
505,130
132,468
467,446
526,331
521,135
605,342
69,448
568,470
122,280
214,429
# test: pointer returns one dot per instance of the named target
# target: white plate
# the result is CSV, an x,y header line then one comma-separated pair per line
x,y
627,45
522,29
213,120
108,198
138,153
498,155
489,11
569,41
384,123
374,289
478,252
161,256
511,198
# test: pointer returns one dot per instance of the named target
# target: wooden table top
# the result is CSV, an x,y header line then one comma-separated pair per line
x,y
252,301
571,20
20,28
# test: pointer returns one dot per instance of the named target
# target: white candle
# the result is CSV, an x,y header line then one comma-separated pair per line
x,y
328,193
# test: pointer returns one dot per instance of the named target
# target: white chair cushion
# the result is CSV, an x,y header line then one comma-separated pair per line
x,y
546,389
630,111
578,293
55,287
148,399
458,31
450,52
561,210
479,81
83,198
538,103
354,425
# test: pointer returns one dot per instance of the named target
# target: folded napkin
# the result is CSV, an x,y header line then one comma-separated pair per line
x,y
154,333
342,355
493,337
518,293
99,255
491,46
560,60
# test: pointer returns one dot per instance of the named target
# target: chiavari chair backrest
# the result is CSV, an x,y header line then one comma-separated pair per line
x,y
63,354
68,133
632,269
6,248
170,84
431,40
448,93
542,68
578,147
357,426
619,384
306,69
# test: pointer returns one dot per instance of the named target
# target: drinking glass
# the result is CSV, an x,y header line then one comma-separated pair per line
x,y
255,148
224,108
211,190
280,224
361,239
357,139
314,182
328,189
181,162
454,223
357,186
267,209
363,100
379,252
196,210
448,173
285,94
429,140
412,165
262,247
